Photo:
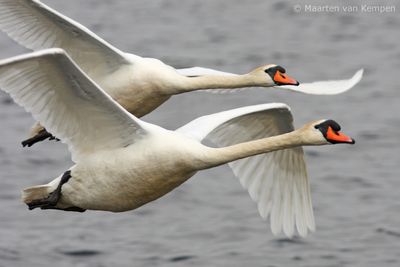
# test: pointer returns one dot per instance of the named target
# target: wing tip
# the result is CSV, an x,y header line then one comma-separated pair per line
x,y
316,88
358,76
291,233
352,81
301,228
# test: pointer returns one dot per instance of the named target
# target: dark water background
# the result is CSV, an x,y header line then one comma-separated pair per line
x,y
210,220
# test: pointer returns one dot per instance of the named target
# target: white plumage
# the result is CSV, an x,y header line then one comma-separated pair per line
x,y
123,162
282,171
131,80
51,87
314,88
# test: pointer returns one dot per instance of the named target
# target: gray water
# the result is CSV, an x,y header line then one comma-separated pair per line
x,y
210,220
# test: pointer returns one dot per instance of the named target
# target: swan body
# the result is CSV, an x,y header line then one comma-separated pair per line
x,y
134,181
139,84
122,162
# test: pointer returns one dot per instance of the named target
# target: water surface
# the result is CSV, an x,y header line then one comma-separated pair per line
x,y
210,220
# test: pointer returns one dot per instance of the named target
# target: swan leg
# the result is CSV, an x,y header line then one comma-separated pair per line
x,y
42,135
51,200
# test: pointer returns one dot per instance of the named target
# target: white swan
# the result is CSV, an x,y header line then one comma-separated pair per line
x,y
139,84
122,162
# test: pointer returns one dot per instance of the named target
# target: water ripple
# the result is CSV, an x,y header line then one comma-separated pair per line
x,y
81,253
181,258
388,232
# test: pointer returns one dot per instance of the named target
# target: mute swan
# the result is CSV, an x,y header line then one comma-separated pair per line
x,y
122,163
139,84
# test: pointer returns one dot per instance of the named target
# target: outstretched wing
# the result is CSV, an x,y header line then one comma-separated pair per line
x,y
277,181
37,26
70,105
332,87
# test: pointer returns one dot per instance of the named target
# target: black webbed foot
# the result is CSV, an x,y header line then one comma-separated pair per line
x,y
50,202
42,135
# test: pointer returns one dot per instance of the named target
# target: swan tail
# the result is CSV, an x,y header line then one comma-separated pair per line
x,y
36,193
47,196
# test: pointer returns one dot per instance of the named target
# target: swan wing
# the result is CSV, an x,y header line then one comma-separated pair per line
x,y
326,87
37,26
70,105
277,181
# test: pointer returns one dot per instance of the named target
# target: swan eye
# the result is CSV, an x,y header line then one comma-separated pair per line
x,y
328,123
272,70
281,69
335,126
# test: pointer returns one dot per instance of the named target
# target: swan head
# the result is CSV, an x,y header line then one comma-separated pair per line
x,y
324,132
276,75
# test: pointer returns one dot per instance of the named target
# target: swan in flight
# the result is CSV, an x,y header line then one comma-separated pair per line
x,y
139,84
122,162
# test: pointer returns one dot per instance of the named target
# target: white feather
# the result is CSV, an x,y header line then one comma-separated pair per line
x,y
49,85
277,181
326,87
332,87
37,26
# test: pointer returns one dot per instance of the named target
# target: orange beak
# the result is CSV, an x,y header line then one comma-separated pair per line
x,y
338,137
283,79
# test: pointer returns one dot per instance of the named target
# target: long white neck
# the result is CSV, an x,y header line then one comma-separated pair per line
x,y
219,156
187,84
